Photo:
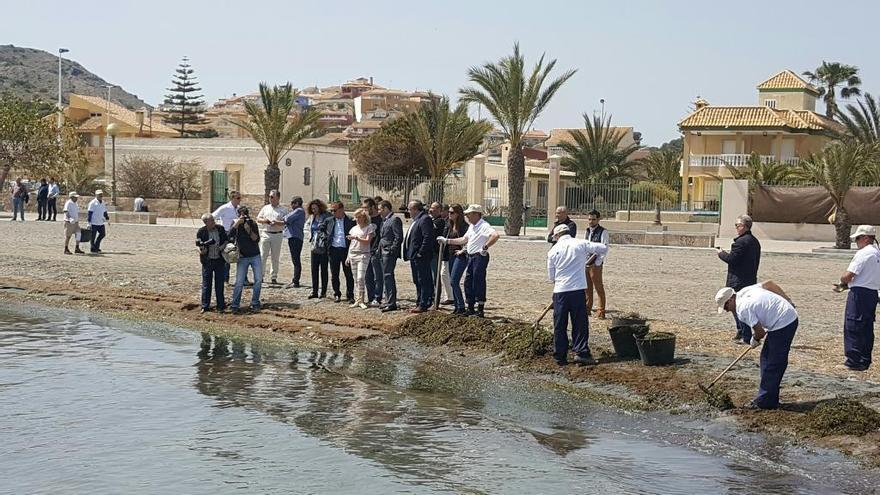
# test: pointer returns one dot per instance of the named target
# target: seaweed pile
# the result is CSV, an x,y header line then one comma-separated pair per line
x,y
516,340
719,398
842,417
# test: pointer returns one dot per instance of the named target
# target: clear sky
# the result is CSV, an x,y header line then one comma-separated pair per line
x,y
647,59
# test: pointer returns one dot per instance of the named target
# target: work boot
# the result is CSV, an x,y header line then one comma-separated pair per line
x,y
479,312
470,310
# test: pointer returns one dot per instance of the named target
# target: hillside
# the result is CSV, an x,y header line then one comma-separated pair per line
x,y
30,73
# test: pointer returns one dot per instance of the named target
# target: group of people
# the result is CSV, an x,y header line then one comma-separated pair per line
x,y
47,198
764,312
443,244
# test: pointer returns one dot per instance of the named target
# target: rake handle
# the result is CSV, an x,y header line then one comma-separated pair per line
x,y
749,348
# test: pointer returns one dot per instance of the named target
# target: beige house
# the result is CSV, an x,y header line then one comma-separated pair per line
x,y
782,127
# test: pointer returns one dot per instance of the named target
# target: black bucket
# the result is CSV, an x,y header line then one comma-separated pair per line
x,y
658,350
623,338
626,322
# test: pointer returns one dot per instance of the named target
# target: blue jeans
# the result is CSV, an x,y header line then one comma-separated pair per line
x,y
256,264
774,361
98,234
17,206
456,272
475,279
212,275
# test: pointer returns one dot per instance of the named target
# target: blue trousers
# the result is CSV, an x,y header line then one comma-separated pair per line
x,y
98,234
743,330
213,272
570,306
858,326
255,263
17,206
774,361
475,279
458,264
421,273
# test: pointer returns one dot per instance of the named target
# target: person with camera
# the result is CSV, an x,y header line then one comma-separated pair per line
x,y
211,239
245,234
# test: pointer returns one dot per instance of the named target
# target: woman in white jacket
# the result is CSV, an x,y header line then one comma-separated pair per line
x,y
359,252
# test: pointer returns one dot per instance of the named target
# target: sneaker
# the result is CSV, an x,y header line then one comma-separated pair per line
x,y
203,311
353,305
337,299
363,306
291,286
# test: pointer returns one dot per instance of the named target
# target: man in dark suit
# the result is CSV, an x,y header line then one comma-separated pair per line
x,y
337,227
418,250
742,268
390,242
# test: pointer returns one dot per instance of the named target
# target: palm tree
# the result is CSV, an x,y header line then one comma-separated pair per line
x,y
837,168
862,122
597,153
276,128
515,99
758,173
663,166
444,137
831,75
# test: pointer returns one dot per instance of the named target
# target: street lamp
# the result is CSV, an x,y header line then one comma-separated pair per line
x,y
113,130
60,51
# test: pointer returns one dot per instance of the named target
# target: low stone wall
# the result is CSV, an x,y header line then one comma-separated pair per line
x,y
677,239
166,208
666,216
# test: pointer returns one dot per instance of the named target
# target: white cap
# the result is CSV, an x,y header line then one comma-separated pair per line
x,y
474,209
722,297
98,191
864,230
560,229
72,194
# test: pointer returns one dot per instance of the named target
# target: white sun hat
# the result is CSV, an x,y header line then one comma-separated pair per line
x,y
72,194
864,230
722,297
474,209
98,191
561,229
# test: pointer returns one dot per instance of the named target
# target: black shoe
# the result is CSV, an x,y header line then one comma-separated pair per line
x,y
387,309
203,311
255,309
313,296
79,251
561,362
274,281
221,310
479,312
337,299
235,311
856,368
585,360
448,302
350,300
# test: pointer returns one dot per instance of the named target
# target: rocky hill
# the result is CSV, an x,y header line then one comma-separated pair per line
x,y
30,73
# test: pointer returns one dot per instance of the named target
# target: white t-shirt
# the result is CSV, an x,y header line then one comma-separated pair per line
x,y
139,204
272,214
226,215
71,211
755,304
566,260
98,209
357,247
866,265
477,236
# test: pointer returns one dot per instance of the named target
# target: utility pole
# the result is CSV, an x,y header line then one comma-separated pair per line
x,y
60,52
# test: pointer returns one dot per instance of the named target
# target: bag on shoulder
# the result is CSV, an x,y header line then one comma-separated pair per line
x,y
321,243
230,253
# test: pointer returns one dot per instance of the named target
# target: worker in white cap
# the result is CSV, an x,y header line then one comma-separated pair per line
x,y
71,223
97,217
565,267
862,277
769,312
477,241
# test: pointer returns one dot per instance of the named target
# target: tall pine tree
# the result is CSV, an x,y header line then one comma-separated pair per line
x,y
184,103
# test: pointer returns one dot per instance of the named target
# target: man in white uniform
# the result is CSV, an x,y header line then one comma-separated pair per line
x,y
71,222
565,267
97,218
271,220
769,312
863,279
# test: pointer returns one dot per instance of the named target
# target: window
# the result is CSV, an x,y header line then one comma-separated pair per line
x,y
493,183
770,103
307,176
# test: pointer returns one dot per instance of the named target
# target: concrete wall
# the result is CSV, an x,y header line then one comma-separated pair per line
x,y
789,100
734,202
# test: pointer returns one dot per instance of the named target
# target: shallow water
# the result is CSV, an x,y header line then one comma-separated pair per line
x,y
91,405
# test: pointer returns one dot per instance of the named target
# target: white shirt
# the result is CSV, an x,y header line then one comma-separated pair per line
x,y
138,204
54,190
98,209
71,211
226,215
755,304
604,239
272,214
357,247
566,261
477,236
866,265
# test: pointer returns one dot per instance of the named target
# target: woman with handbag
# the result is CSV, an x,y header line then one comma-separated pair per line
x,y
319,243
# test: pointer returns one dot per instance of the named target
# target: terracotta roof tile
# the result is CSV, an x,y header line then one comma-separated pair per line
x,y
91,124
787,80
718,117
560,135
125,115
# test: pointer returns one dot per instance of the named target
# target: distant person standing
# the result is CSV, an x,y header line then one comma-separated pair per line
x,y
245,234
769,312
337,228
294,223
54,192
562,218
19,198
226,214
390,242
565,268
98,218
140,204
271,217
479,237
863,279
596,233
211,239
742,268
375,279
71,223
42,200
319,246
418,249
360,239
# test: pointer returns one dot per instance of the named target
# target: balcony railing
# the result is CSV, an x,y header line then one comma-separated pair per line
x,y
735,160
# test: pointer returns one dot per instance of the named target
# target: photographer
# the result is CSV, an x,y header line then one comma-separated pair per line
x,y
246,236
211,239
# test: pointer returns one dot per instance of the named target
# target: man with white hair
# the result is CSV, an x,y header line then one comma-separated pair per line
x,y
271,217
479,237
742,267
862,277
211,239
769,312
565,267
97,218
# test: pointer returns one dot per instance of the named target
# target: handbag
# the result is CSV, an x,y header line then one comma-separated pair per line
x,y
230,253
321,244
